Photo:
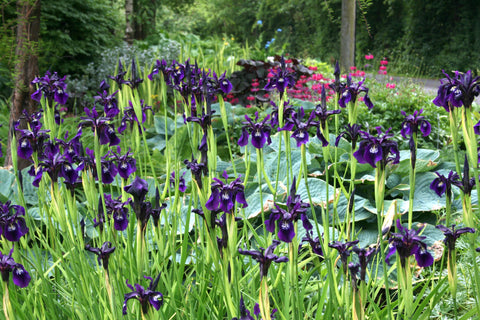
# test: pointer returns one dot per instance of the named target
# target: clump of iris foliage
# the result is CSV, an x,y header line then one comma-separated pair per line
x,y
200,209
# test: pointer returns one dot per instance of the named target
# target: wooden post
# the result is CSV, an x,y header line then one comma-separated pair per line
x,y
347,36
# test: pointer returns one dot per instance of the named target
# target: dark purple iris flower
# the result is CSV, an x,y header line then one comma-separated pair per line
x,y
12,221
245,313
109,170
350,92
282,79
109,103
21,277
197,170
337,85
138,189
160,66
260,132
71,176
444,184
467,183
134,81
56,115
103,253
452,234
126,164
222,224
52,87
285,218
365,255
51,162
411,123
314,243
288,112
157,209
205,121
457,91
265,257
143,210
101,125
119,78
71,149
323,114
31,140
352,132
146,297
224,84
116,209
130,117
225,195
410,128
181,181
381,149
300,134
344,249
408,242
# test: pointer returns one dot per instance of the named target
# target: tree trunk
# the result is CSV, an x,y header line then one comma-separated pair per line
x,y
26,67
347,36
129,33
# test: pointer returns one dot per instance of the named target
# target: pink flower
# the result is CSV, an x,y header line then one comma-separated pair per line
x,y
384,62
313,68
383,68
251,98
353,68
391,85
369,57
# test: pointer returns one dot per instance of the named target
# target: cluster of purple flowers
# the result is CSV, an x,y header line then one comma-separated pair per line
x,y
459,90
52,87
192,82
66,158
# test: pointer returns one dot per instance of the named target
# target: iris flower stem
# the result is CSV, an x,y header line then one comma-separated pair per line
x,y
265,177
471,145
263,300
167,147
352,112
227,287
109,289
260,169
7,306
98,167
454,132
405,284
140,244
58,207
223,113
293,270
13,147
358,312
412,177
353,169
448,208
303,150
380,177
